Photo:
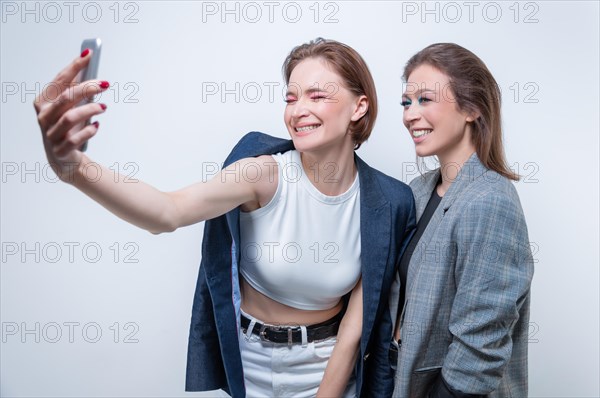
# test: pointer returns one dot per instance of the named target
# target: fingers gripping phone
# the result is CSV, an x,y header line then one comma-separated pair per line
x,y
91,71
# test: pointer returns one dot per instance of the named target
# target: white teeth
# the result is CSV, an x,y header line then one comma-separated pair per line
x,y
306,128
420,133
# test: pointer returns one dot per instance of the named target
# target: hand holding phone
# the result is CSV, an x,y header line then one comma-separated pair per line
x,y
91,71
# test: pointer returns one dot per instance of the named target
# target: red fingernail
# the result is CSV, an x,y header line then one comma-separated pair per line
x,y
104,84
103,106
85,52
96,124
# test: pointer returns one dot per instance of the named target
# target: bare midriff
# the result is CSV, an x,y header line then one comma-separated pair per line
x,y
274,313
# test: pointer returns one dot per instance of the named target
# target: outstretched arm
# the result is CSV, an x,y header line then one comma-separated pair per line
x,y
343,359
62,124
148,208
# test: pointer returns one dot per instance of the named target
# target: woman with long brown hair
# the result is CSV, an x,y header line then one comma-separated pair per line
x,y
461,304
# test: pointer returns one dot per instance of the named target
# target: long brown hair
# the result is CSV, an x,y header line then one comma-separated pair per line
x,y
353,70
475,91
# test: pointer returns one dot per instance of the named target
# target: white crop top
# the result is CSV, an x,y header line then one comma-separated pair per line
x,y
302,249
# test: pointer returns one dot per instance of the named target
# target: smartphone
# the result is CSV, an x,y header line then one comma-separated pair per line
x,y
91,71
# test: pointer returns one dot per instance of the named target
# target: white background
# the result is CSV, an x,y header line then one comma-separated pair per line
x,y
164,125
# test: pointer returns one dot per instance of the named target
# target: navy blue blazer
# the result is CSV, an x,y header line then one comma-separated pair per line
x,y
387,217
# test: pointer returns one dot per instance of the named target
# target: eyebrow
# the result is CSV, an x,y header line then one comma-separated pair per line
x,y
420,91
309,91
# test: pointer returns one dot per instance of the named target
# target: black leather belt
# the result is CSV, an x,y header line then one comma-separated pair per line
x,y
293,334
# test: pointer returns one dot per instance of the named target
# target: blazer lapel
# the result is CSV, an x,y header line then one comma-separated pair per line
x,y
422,189
375,235
471,170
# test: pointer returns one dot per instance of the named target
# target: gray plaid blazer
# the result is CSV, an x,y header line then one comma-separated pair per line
x,y
468,286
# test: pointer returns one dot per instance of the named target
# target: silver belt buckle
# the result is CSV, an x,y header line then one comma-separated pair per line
x,y
290,336
262,333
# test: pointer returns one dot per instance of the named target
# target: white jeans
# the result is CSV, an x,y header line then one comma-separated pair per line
x,y
279,370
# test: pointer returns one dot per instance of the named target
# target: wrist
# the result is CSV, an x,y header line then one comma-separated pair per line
x,y
74,173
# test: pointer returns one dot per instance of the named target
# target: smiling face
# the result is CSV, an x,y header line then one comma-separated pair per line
x,y
433,119
319,108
